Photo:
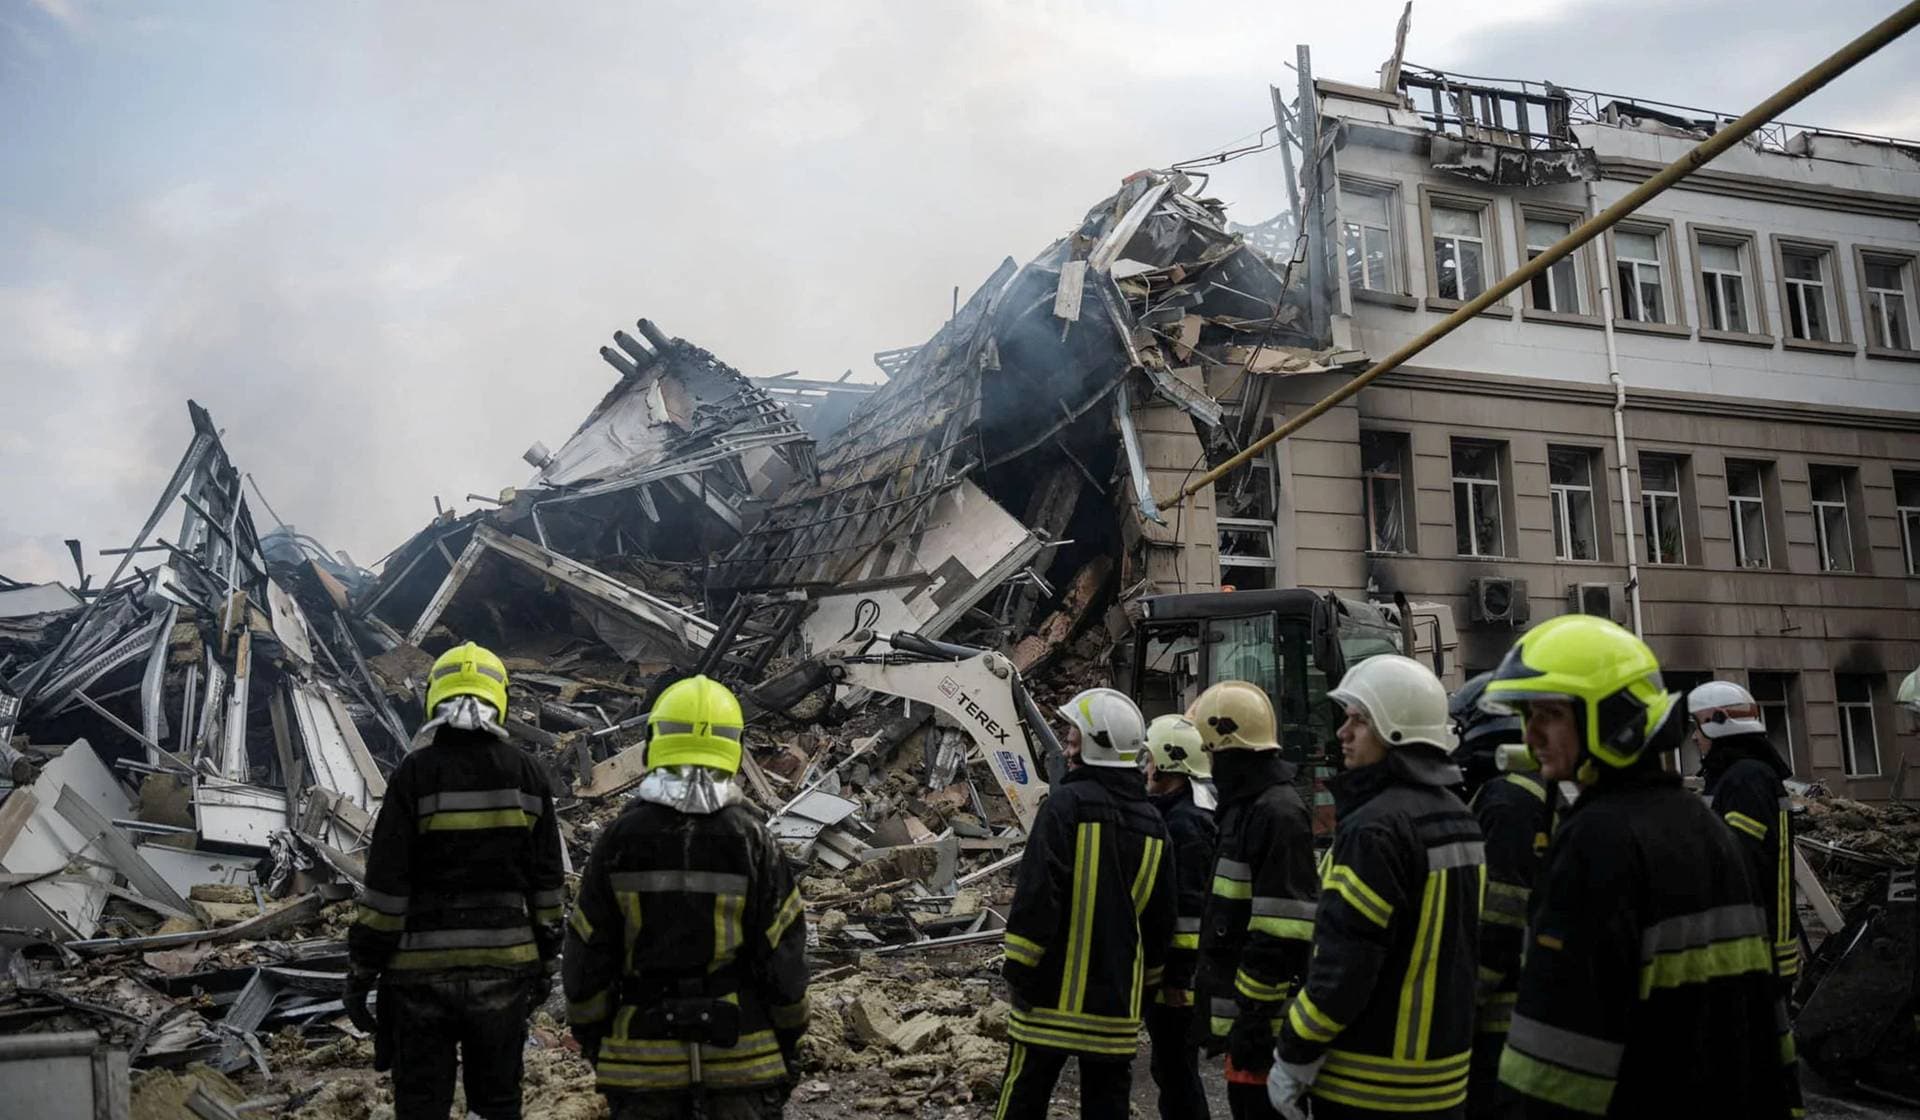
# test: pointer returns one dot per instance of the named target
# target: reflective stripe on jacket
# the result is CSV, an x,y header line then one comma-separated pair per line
x,y
1389,996
1744,788
1191,831
1092,916
1515,812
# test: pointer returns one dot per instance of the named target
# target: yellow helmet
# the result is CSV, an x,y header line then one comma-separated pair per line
x,y
1610,676
696,721
1177,748
1235,716
468,670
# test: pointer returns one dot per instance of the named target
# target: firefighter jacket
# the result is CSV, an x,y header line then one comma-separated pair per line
x,y
1191,831
464,870
1515,812
1388,999
1258,927
1648,986
677,908
1744,789
1092,915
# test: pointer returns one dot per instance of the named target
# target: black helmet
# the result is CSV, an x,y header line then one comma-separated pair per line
x,y
1479,729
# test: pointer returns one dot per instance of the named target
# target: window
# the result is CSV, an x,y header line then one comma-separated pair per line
x,y
1383,463
1660,502
1558,288
1366,215
1809,315
1859,748
1774,693
1570,477
1245,515
1459,253
1726,292
1747,504
1832,528
1477,523
1639,259
1906,500
1889,287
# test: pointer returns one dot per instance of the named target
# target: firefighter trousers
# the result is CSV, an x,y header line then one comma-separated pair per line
x,y
474,1026
1106,1084
1247,1094
740,1104
1176,1063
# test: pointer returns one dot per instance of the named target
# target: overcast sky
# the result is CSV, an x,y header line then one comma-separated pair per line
x,y
383,242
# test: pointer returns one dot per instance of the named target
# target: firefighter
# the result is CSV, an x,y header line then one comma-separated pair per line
x,y
1515,809
1744,788
1177,782
1258,927
1384,1024
459,923
1647,988
685,971
1092,917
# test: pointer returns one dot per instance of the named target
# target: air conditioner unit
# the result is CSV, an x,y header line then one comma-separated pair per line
x,y
1590,598
1497,599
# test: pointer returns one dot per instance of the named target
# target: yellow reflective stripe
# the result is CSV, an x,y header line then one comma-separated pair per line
x,y
1378,1083
370,918
727,931
1309,1022
1186,941
1786,947
1086,882
1016,1062
1291,928
1034,1035
590,1010
629,904
790,1016
1413,1024
503,955
581,924
788,913
1231,888
1147,875
1705,962
1747,825
1502,918
1153,976
1535,788
1022,950
476,819
1255,989
1544,1081
1388,1098
1343,881
1400,1071
547,915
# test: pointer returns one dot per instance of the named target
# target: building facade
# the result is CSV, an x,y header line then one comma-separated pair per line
x,y
1747,491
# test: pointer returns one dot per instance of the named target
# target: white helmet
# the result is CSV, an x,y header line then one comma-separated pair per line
x,y
1112,732
1909,696
1404,701
1722,708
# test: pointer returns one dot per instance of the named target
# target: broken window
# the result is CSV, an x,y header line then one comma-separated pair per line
x,y
1747,503
1773,692
1859,745
1558,288
1246,526
1660,502
1477,526
1724,290
1366,214
1807,293
1169,668
1889,302
1832,527
1640,261
1570,478
1459,253
1906,499
1383,463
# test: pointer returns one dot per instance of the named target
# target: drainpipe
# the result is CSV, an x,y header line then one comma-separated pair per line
x,y
1628,506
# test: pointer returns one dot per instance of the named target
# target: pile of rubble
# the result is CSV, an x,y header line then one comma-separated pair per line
x,y
1851,845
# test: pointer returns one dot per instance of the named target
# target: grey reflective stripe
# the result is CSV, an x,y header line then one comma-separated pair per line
x,y
1566,1048
490,671
1234,869
696,882
1283,908
466,938
547,899
445,671
462,800
1703,927
1223,1008
1786,803
385,903
678,727
1186,925
1506,898
1462,853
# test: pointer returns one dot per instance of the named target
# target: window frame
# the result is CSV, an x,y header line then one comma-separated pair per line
x,y
1497,483
1909,264
1746,242
1842,342
1736,516
1404,447
1390,191
1648,507
1560,497
1822,546
1268,526
1493,259
1668,243
1908,519
1585,280
1788,681
1842,709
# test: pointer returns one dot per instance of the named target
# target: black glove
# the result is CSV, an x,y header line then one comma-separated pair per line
x,y
539,988
1250,1043
589,1040
359,986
